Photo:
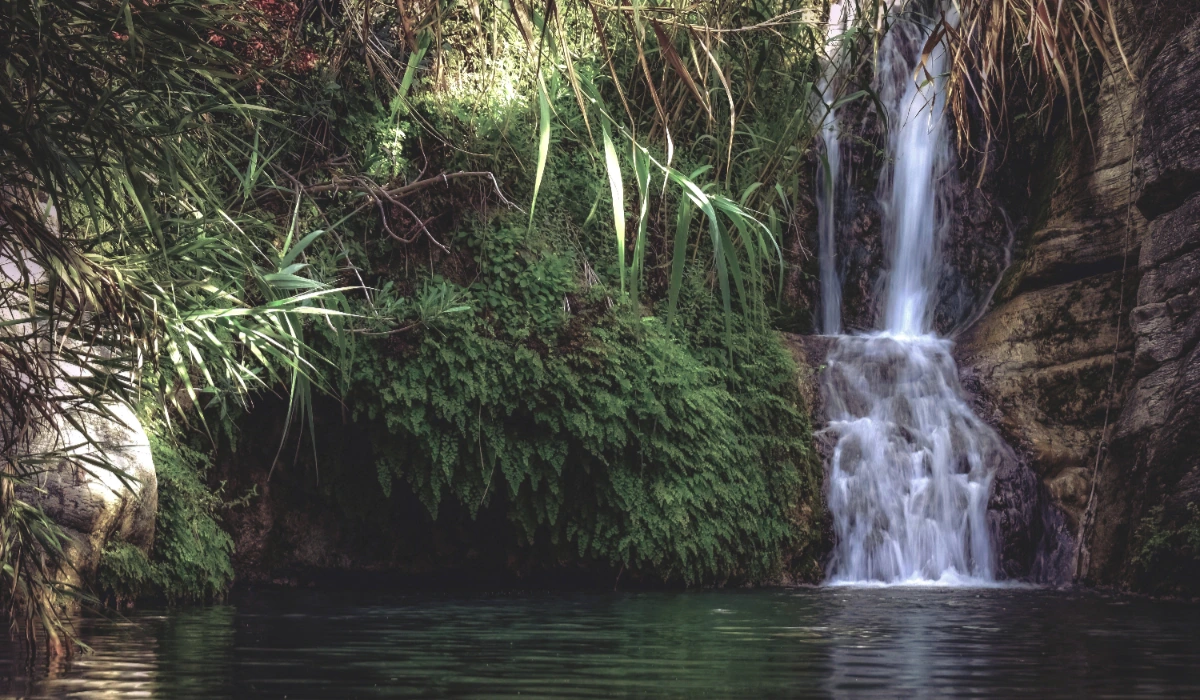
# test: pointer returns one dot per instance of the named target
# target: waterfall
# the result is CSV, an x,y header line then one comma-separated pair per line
x,y
841,14
919,154
912,465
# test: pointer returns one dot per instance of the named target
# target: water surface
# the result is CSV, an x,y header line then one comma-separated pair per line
x,y
826,642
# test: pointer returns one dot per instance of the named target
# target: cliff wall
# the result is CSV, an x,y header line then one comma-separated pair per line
x,y
1087,359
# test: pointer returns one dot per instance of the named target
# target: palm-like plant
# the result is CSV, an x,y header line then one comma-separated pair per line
x,y
124,255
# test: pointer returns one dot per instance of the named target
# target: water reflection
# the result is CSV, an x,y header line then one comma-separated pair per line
x,y
831,642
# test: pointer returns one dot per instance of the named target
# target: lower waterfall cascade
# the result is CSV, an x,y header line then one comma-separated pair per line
x,y
912,466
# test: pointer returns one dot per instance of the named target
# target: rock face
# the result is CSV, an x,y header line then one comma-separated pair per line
x,y
1153,460
1087,360
1041,359
93,504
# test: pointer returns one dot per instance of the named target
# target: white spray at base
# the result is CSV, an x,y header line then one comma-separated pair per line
x,y
912,464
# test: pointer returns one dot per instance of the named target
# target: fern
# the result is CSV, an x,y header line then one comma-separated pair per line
x,y
600,433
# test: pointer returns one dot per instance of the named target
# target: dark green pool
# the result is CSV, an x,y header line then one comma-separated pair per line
x,y
830,642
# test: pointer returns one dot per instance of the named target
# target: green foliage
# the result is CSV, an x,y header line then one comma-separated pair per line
x,y
190,557
1166,552
204,198
509,371
521,287
599,432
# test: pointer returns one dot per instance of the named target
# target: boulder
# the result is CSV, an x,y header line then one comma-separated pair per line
x,y
93,504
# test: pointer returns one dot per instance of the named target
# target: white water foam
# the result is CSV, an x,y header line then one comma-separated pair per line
x,y
912,466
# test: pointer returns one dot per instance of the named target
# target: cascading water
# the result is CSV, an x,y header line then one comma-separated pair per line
x,y
912,465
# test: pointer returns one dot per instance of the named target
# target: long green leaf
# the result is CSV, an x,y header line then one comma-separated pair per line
x,y
414,61
702,200
301,245
617,188
641,169
543,143
679,256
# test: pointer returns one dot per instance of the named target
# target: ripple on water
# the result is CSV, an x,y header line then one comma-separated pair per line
x,y
837,641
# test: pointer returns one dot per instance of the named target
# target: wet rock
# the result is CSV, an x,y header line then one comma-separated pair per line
x,y
1013,516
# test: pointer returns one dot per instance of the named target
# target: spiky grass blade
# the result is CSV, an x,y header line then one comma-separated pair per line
x,y
641,169
414,62
716,234
668,49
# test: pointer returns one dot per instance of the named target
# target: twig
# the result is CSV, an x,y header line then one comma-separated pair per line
x,y
383,217
377,194
364,186
394,331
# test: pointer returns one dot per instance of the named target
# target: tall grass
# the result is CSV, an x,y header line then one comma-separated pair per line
x,y
662,81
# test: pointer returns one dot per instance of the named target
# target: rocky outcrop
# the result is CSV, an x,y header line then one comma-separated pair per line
x,y
1153,459
1087,360
91,472
98,486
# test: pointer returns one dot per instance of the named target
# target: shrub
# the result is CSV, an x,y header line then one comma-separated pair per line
x,y
1166,556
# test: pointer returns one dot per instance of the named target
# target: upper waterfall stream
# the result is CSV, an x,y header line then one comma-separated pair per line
x,y
912,465
841,15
